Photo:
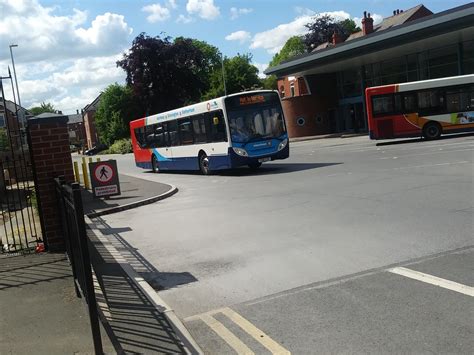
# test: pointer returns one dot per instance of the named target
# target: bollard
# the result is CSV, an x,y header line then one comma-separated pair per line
x,y
85,176
76,172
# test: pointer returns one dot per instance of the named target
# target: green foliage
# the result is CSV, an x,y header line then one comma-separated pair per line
x,y
270,82
163,74
45,107
115,111
293,47
3,139
323,27
121,146
350,26
240,75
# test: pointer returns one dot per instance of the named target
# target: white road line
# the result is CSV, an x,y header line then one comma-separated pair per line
x,y
433,280
226,335
256,333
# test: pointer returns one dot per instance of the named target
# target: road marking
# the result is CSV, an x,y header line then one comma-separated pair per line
x,y
256,333
226,334
433,280
244,324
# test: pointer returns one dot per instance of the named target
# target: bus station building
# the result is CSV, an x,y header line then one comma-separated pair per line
x,y
323,91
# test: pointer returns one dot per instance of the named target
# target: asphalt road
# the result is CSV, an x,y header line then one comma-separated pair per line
x,y
300,255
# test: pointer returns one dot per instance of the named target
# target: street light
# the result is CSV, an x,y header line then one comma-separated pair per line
x,y
14,73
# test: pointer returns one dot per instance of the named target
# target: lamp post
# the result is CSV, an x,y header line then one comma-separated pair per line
x,y
14,73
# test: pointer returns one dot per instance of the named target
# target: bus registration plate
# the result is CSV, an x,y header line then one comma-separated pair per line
x,y
262,160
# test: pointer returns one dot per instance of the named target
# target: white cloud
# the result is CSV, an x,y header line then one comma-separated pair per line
x,y
377,19
184,19
41,34
274,39
261,68
171,4
241,36
61,58
203,8
235,12
157,13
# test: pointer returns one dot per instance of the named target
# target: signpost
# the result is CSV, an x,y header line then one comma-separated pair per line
x,y
104,178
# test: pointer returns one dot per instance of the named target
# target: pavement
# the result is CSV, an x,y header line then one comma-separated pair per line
x,y
350,245
39,310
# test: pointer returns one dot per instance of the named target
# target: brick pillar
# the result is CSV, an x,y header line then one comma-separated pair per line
x,y
51,156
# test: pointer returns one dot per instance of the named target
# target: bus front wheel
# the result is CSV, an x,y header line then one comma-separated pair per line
x,y
204,164
154,164
432,130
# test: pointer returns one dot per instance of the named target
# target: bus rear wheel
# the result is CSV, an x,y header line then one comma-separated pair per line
x,y
204,164
432,130
154,164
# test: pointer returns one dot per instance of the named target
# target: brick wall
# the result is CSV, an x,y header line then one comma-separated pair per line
x,y
51,158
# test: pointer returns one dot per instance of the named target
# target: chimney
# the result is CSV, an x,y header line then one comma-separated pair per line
x,y
394,12
336,38
77,112
367,24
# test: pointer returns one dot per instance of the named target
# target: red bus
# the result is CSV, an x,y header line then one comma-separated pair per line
x,y
425,108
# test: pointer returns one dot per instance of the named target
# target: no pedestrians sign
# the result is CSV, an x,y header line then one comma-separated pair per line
x,y
104,178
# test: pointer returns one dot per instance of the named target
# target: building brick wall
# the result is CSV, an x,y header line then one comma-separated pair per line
x,y
313,108
51,157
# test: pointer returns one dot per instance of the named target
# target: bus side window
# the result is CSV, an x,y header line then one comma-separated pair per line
x,y
140,136
173,137
409,103
199,128
218,132
185,132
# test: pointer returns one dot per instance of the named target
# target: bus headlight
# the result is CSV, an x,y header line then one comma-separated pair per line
x,y
283,144
241,152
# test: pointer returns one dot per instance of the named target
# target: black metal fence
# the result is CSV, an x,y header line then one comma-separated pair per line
x,y
74,229
20,228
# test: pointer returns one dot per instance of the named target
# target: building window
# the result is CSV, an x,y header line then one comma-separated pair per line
x,y
282,92
2,120
292,89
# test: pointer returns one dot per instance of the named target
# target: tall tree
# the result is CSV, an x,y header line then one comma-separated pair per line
x,y
44,107
163,74
116,109
293,47
323,27
240,75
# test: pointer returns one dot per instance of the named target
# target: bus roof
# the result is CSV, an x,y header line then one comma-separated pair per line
x,y
427,84
201,107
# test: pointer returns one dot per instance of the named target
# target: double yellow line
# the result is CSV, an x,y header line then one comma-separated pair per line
x,y
235,343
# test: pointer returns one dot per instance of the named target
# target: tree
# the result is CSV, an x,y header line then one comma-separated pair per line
x,y
323,27
270,82
293,47
350,26
116,109
240,75
45,107
162,74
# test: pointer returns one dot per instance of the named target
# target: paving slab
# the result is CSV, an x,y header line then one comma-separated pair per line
x,y
39,310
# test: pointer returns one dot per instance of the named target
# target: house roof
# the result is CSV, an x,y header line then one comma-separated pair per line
x,y
12,107
425,27
93,105
76,118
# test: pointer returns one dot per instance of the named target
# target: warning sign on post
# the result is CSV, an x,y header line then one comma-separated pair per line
x,y
104,178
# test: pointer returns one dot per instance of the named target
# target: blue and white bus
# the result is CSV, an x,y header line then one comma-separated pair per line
x,y
231,131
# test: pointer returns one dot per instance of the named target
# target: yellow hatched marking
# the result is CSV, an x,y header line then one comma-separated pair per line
x,y
226,334
256,333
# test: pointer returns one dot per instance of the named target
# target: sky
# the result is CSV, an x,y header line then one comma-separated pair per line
x,y
67,49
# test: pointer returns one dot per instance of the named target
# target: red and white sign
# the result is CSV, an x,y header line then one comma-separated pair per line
x,y
103,173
